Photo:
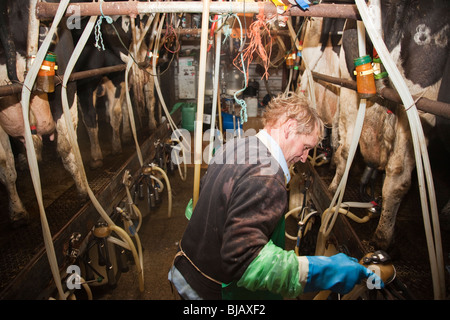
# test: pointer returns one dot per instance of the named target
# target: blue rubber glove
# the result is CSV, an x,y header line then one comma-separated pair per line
x,y
339,273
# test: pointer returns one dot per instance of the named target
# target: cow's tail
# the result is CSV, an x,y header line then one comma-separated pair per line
x,y
7,42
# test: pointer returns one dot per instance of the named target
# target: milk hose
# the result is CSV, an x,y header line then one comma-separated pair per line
x,y
132,231
216,96
303,222
74,143
184,145
160,184
289,81
137,260
317,160
31,153
132,206
169,189
200,104
420,150
180,148
71,296
86,288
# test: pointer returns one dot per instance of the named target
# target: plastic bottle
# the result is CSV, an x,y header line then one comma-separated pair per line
x,y
379,73
46,76
365,81
290,60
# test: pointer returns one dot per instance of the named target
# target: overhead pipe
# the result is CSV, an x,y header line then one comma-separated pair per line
x,y
48,10
437,108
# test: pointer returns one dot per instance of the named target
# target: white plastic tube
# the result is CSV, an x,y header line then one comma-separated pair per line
x,y
169,189
31,154
180,148
326,226
200,100
212,133
161,185
182,143
432,232
137,260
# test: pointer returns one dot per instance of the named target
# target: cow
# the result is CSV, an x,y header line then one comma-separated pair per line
x,y
417,39
112,52
45,108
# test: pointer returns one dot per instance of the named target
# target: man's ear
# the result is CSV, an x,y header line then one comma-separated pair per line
x,y
289,127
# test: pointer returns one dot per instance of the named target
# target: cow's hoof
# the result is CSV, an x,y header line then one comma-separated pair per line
x,y
380,242
95,164
117,150
20,220
152,126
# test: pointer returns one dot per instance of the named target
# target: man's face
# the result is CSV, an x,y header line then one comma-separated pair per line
x,y
298,145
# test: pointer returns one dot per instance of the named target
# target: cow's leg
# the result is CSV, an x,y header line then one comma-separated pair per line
x,y
126,127
150,101
8,175
89,116
65,150
116,96
396,183
346,124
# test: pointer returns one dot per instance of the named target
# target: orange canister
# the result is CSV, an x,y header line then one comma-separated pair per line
x,y
365,82
46,76
290,59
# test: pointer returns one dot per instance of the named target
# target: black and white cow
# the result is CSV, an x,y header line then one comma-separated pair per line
x,y
45,109
416,34
111,52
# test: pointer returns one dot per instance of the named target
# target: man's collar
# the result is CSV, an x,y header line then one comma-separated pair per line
x,y
276,152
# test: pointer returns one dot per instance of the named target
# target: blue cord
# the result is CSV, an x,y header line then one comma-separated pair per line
x,y
97,29
241,102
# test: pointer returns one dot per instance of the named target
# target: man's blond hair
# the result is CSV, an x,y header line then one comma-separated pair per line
x,y
295,106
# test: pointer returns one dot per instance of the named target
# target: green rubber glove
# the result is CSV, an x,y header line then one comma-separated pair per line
x,y
275,270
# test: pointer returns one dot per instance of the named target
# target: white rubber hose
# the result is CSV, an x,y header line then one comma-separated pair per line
x,y
420,151
73,139
31,154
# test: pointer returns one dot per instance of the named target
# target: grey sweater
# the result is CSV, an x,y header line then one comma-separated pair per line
x,y
242,198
